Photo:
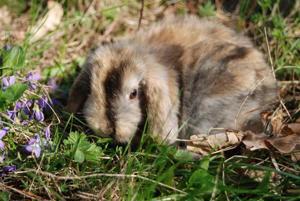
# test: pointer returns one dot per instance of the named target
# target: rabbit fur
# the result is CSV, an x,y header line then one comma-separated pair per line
x,y
182,75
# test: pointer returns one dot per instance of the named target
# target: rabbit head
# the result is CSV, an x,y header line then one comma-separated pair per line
x,y
117,95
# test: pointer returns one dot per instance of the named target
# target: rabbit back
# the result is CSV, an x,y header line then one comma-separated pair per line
x,y
224,82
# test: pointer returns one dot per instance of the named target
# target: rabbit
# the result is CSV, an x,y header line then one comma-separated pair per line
x,y
182,76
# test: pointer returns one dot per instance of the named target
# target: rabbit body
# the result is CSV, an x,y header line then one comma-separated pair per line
x,y
183,75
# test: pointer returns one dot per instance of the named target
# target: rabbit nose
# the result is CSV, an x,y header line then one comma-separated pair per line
x,y
104,135
107,133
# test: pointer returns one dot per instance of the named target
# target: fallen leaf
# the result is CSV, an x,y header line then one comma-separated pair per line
x,y
295,127
286,144
210,144
285,131
277,122
204,144
49,22
295,156
254,141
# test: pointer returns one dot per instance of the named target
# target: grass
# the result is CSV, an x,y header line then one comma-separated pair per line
x,y
74,165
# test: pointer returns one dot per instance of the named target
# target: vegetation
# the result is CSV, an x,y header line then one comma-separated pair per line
x,y
48,154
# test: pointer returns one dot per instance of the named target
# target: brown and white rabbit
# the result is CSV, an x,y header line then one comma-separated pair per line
x,y
183,75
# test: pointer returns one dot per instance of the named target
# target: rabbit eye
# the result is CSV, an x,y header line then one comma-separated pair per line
x,y
133,94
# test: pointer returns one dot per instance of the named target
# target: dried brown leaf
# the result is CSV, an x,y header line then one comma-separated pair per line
x,y
254,141
295,127
286,144
286,130
277,122
295,156
204,144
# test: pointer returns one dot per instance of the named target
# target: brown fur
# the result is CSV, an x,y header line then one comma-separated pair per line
x,y
196,73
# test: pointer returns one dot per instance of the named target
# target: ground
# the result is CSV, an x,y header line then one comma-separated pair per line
x,y
48,154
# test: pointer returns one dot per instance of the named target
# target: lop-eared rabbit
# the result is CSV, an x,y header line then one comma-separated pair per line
x,y
182,76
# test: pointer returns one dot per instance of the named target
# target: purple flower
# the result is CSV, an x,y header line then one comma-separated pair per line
x,y
11,114
33,146
3,132
32,86
9,168
27,106
48,133
56,102
39,115
19,105
42,102
8,81
33,76
52,84
2,145
7,47
24,122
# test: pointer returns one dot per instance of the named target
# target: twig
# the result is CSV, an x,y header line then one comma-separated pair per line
x,y
284,107
100,175
141,14
289,82
86,11
111,28
245,100
269,53
274,162
24,193
86,195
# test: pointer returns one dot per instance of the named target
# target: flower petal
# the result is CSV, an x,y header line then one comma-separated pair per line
x,y
37,151
2,145
33,76
19,105
3,132
11,114
48,133
12,80
39,116
5,82
42,102
9,168
29,148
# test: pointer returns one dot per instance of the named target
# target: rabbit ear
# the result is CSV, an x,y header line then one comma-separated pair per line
x,y
163,107
79,90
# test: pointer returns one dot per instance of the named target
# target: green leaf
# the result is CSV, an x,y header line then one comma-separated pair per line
x,y
14,92
11,94
167,177
80,149
208,9
93,153
202,181
183,155
205,163
13,59
110,14
79,156
4,196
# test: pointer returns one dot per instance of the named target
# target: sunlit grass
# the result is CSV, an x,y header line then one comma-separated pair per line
x,y
80,166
